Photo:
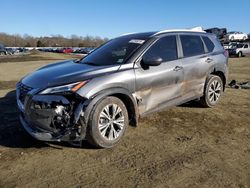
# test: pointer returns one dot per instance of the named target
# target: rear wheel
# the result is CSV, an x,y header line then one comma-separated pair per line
x,y
212,92
107,123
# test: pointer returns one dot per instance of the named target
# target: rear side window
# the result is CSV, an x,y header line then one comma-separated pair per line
x,y
192,45
164,48
209,44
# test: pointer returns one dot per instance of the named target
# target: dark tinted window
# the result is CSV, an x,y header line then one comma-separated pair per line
x,y
240,45
165,48
209,44
192,45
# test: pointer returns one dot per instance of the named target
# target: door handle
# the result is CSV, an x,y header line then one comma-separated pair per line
x,y
208,60
177,68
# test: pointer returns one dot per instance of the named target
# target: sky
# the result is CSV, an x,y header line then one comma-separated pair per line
x,y
111,18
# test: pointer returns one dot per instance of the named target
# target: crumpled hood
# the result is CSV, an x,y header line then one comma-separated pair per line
x,y
65,72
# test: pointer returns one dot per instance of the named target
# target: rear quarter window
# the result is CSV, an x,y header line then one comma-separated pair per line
x,y
192,45
209,44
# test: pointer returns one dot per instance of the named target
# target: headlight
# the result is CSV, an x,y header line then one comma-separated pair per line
x,y
65,88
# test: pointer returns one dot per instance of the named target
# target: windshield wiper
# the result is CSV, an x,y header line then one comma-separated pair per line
x,y
76,60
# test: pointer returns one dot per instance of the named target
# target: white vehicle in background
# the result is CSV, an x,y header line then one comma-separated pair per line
x,y
239,50
236,35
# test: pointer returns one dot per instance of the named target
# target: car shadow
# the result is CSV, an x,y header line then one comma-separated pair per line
x,y
13,135
191,104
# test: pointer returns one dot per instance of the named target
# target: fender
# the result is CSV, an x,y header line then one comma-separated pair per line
x,y
114,91
218,69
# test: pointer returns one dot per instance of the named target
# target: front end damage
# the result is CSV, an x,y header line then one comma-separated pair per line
x,y
52,117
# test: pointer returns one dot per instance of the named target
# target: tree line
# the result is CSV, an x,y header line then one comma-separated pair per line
x,y
51,41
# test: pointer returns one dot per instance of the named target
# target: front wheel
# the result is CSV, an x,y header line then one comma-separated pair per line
x,y
107,123
212,92
240,54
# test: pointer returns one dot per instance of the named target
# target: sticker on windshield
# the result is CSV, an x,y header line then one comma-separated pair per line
x,y
137,41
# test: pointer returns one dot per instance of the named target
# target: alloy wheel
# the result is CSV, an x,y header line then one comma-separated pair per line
x,y
111,122
214,91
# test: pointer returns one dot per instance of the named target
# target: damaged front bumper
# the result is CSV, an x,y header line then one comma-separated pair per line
x,y
43,136
52,117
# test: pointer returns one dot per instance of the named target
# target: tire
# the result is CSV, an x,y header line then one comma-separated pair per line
x,y
240,54
104,129
232,39
212,91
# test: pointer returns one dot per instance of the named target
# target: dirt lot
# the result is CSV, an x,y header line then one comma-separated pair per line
x,y
186,146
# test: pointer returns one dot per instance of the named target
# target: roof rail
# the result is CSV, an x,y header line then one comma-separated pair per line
x,y
195,29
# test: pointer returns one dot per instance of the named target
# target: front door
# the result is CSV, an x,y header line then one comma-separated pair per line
x,y
158,86
246,49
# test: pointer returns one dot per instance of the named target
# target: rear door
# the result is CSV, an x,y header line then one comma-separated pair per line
x,y
196,64
159,86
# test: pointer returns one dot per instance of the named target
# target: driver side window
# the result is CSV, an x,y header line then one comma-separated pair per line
x,y
164,48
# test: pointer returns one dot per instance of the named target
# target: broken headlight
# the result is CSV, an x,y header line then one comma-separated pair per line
x,y
73,87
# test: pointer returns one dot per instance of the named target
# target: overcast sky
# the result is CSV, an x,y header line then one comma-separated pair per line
x,y
109,18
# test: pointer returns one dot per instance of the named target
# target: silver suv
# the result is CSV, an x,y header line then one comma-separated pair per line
x,y
131,76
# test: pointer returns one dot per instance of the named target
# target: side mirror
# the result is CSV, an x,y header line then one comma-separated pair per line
x,y
152,61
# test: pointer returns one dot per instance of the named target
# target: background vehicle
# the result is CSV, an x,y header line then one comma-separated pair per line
x,y
67,50
10,51
239,49
81,51
2,50
219,32
236,35
95,98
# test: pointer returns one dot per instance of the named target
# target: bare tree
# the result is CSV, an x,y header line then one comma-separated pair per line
x,y
51,41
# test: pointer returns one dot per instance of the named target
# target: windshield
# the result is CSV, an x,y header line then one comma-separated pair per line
x,y
115,51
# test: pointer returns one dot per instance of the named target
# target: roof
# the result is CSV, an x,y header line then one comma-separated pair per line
x,y
143,36
150,34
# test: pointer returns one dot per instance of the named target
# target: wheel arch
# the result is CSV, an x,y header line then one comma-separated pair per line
x,y
221,75
240,53
121,93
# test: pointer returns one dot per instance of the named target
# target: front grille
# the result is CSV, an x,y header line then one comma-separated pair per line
x,y
22,91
